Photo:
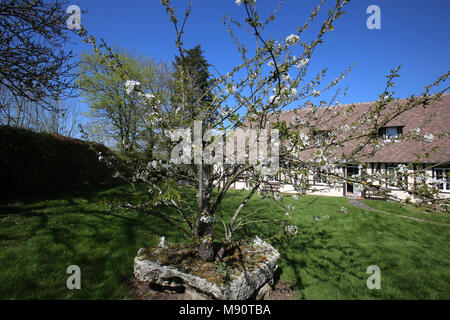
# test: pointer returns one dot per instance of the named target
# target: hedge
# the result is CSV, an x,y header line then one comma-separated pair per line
x,y
33,163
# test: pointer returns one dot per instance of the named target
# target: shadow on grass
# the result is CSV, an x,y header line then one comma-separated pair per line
x,y
119,192
328,259
40,238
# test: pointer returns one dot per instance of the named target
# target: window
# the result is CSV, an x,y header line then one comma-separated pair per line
x,y
442,177
288,177
390,132
391,176
397,176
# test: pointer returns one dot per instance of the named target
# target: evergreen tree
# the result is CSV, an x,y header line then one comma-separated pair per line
x,y
192,84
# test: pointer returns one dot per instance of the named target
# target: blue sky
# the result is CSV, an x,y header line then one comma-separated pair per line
x,y
413,34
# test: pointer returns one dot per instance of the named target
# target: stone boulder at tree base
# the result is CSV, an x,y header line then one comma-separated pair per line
x,y
251,283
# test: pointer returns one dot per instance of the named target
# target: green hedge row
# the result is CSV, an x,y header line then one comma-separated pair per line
x,y
33,163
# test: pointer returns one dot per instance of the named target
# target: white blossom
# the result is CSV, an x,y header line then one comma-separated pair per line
x,y
145,95
272,98
428,137
287,77
130,85
343,210
402,168
238,2
165,165
299,121
230,89
207,219
304,139
153,164
285,90
292,39
302,63
291,230
161,243
316,93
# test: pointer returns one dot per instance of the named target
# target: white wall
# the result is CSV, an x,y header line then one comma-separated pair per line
x,y
337,191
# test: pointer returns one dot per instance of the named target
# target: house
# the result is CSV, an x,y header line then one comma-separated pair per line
x,y
425,148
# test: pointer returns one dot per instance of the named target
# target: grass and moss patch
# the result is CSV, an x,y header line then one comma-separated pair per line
x,y
184,258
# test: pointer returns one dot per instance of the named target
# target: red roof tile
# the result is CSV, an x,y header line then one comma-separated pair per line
x,y
404,151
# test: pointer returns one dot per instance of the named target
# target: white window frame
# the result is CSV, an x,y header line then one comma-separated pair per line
x,y
394,177
445,173
392,136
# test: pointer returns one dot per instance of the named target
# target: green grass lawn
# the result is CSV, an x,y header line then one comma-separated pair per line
x,y
410,211
328,259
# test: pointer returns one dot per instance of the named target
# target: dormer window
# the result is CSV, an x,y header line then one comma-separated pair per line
x,y
390,132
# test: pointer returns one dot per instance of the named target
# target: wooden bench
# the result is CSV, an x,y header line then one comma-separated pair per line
x,y
373,194
271,186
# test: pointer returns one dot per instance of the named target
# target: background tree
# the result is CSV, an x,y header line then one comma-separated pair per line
x,y
191,82
33,62
122,117
61,117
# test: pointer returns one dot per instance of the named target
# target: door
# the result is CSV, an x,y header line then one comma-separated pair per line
x,y
351,171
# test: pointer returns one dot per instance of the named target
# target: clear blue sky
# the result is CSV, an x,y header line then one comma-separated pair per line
x,y
413,34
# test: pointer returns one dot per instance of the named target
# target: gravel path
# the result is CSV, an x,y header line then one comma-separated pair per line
x,y
362,205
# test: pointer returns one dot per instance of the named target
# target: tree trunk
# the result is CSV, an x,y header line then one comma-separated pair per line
x,y
204,226
205,234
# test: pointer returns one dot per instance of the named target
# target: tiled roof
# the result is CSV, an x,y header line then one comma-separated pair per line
x,y
404,151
